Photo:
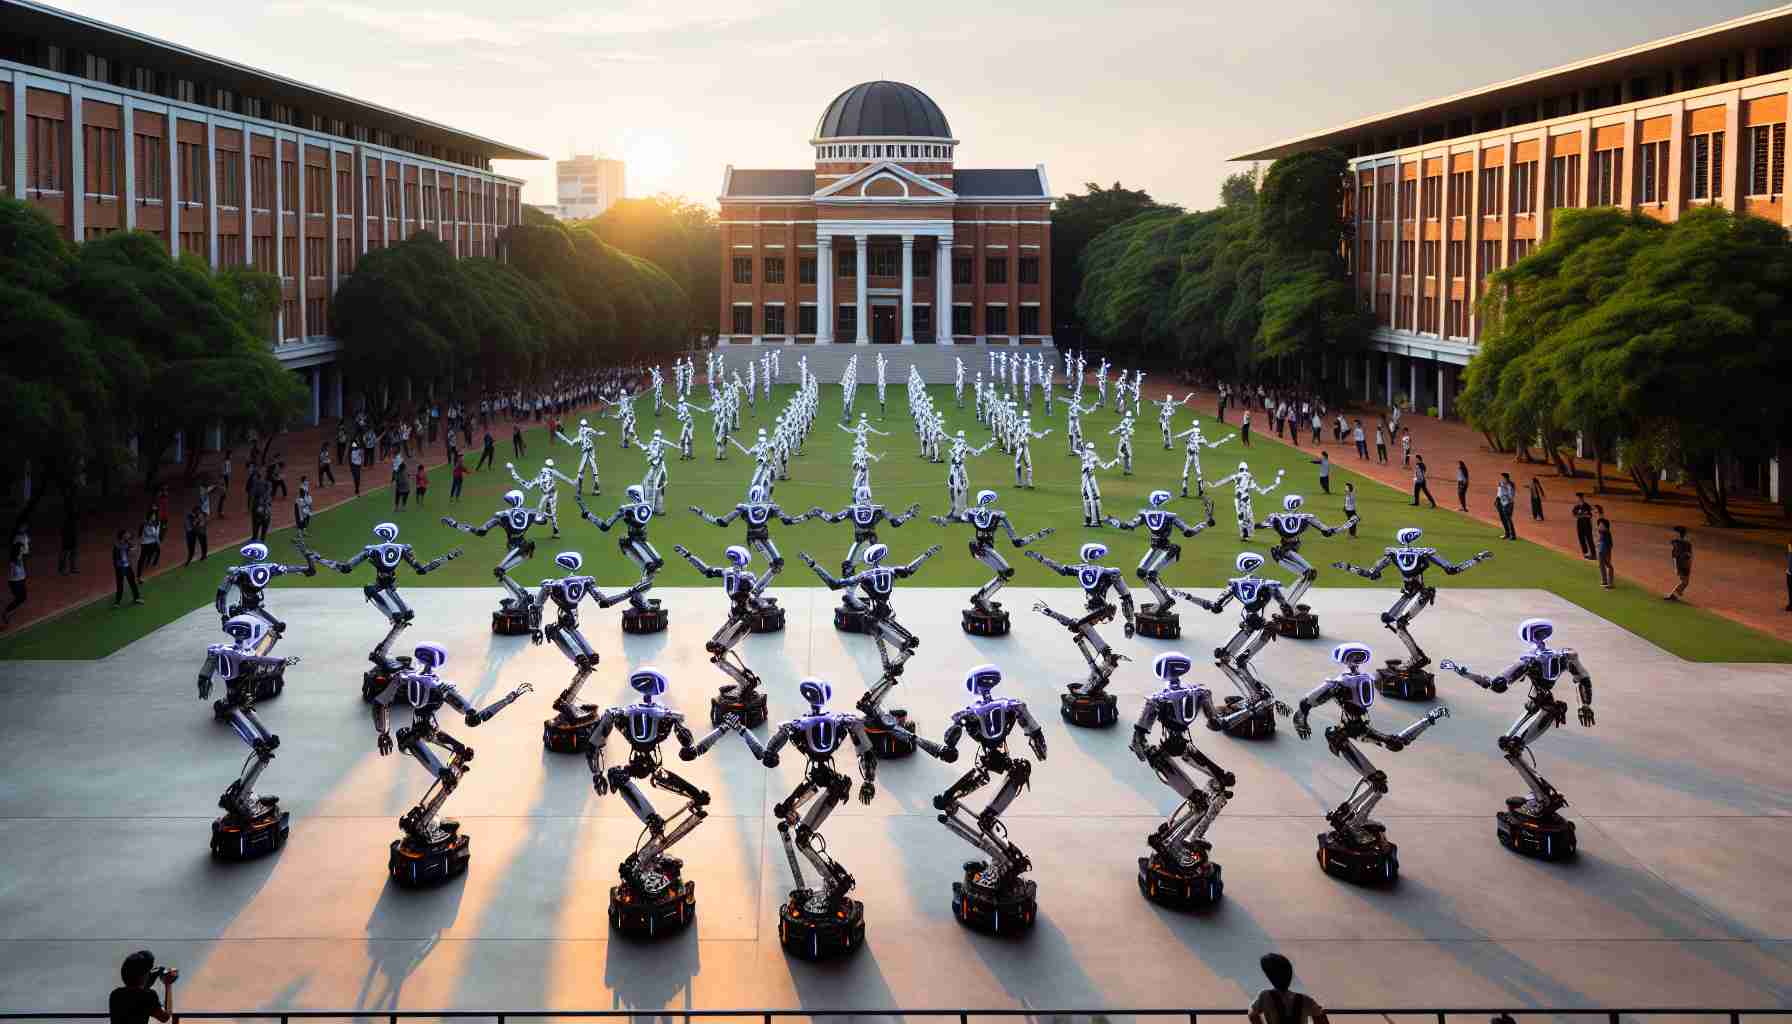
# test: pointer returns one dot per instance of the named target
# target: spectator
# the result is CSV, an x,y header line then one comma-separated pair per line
x,y
15,572
1244,428
162,508
149,552
324,472
422,482
1681,550
401,483
516,440
196,523
1381,446
1406,448
1280,1004
122,572
277,478
71,538
460,476
1504,497
1461,486
1583,526
354,465
486,454
301,508
224,486
1789,576
1536,500
1324,462
341,441
135,1002
251,478
1317,426
1607,577
1419,486
1362,446
261,518
1350,505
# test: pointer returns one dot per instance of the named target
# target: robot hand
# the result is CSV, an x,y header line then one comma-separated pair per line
x,y
770,760
682,550
1346,566
949,755
385,743
1130,629
1586,716
600,784
480,531
695,509
1137,746
1301,728
807,559
1039,606
510,465
1282,709
294,660
1037,742
867,792
535,637
687,753
1450,666
205,687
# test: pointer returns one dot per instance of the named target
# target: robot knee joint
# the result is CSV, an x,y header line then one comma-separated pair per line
x,y
1020,770
1511,744
617,777
1006,574
1310,575
1378,781
777,565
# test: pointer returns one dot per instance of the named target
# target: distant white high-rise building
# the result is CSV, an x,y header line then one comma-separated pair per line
x,y
587,185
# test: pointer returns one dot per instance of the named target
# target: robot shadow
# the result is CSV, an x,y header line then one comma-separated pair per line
x,y
856,980
402,931
651,974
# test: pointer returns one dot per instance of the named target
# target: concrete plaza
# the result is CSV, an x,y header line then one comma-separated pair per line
x,y
109,773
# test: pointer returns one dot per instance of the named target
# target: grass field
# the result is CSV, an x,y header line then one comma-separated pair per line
x,y
820,478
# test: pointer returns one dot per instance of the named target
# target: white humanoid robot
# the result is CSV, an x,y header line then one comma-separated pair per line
x,y
1088,703
653,898
958,381
1123,448
1091,486
253,824
653,482
862,458
586,442
1533,825
1409,679
251,581
758,511
430,851
516,614
386,555
1166,415
687,427
1191,457
985,616
1180,872
1155,619
1074,411
569,730
1289,524
761,453
958,482
1357,847
547,482
993,895
824,922
644,614
742,697
865,515
1253,594
1244,490
1024,436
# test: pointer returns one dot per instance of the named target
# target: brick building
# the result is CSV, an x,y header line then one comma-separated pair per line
x,y
885,239
104,129
1450,190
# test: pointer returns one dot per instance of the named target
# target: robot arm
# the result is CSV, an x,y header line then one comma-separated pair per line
x,y
1462,566
697,563
688,751
909,569
1141,730
556,474
829,517
601,522
1275,591
610,600
527,485
855,729
909,513
722,520
594,753
1190,531
477,531
1327,531
326,562
948,519
767,752
477,717
1125,601
1055,566
1031,728
382,713
980,451
1371,573
1585,684
569,442
1128,524
790,520
1272,485
1216,444
1320,694
425,568
224,591
1497,683
764,580
833,583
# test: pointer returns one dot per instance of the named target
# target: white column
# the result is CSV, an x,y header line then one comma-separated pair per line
x,y
1412,384
15,111
824,289
1443,407
1368,378
127,194
316,374
908,289
211,192
1388,366
862,313
76,185
942,287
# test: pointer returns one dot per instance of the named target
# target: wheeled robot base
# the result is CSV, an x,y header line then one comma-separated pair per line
x,y
980,908
886,743
513,619
1260,724
570,735
417,864
651,915
820,935
768,618
751,711
994,622
1159,625
1545,837
1097,711
651,619
1362,863
236,839
1179,888
1302,625
375,679
267,686
1405,684
851,620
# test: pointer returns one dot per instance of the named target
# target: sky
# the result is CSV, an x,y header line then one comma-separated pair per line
x,y
1152,95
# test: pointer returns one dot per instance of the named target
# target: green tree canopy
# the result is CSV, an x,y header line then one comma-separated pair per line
x,y
1076,221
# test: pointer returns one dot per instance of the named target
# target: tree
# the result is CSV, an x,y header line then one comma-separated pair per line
x,y
1239,189
1076,221
1300,206
679,237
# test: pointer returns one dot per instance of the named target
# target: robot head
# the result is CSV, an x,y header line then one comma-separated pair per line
x,y
571,561
584,422
1171,666
1248,562
738,556
875,553
756,493
1292,503
961,435
431,656
862,495
387,532
513,498
647,681
1244,467
1352,656
254,552
986,498
635,493
1159,499
657,435
1536,631
1408,535
246,630
1089,447
547,463
1094,551
982,679
815,691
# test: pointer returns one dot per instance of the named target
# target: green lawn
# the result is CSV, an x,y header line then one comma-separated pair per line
x,y
820,477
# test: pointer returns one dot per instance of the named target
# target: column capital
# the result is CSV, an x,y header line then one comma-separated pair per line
x,y
861,236
908,241
824,241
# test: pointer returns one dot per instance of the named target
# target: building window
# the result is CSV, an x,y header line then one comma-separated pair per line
x,y
805,320
846,263
1403,315
1409,202
1029,320
152,169
1384,201
923,263
774,271
1608,177
961,320
1524,187
923,316
1707,165
995,271
46,141
805,271
104,161
345,192
263,253
743,270
1029,270
743,320
1492,179
230,179
1365,200
315,189
961,270
1406,250
194,242
1454,327
392,197
846,322
1766,158
1428,316
289,258
314,257
289,186
1367,257
192,174
261,183
995,319
1564,181
345,255
1384,309
1428,258
1432,197
1490,260
314,317
1459,185
884,260
1458,250
289,315
1384,256
1652,172
1522,247
230,250
774,319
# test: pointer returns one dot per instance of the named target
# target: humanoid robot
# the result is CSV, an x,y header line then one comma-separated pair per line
x,y
1533,825
654,898
1166,414
1155,619
569,730
1409,679
985,616
1357,847
1024,436
816,924
382,593
742,697
1088,703
865,514
251,581
517,614
431,850
586,442
993,896
1191,457
643,614
252,825
1091,486
1288,525
653,482
1253,594
1180,872
548,482
1244,489
1123,448
758,511
958,483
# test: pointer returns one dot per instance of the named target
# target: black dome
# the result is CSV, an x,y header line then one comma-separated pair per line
x,y
882,108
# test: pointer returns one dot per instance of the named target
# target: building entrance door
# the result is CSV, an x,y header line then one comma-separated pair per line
x,y
883,325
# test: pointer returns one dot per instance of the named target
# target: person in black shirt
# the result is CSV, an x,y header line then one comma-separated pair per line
x,y
1583,526
135,1002
1681,550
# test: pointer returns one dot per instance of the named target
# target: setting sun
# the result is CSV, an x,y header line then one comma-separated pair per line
x,y
651,163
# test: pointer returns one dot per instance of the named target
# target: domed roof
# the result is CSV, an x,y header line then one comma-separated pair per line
x,y
882,108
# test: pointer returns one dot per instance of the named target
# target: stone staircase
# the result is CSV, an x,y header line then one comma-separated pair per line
x,y
936,362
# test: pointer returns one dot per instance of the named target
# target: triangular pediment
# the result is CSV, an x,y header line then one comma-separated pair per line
x,y
914,185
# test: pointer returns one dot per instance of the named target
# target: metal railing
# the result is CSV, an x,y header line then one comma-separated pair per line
x,y
1440,1015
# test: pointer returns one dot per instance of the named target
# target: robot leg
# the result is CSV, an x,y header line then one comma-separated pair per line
x,y
1149,569
643,554
514,558
729,634
399,614
896,634
846,566
1516,743
1416,658
1091,502
836,882
239,798
770,550
1304,572
419,821
1003,573
1353,814
746,681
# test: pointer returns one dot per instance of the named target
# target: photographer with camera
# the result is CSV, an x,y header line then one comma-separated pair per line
x,y
135,1002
